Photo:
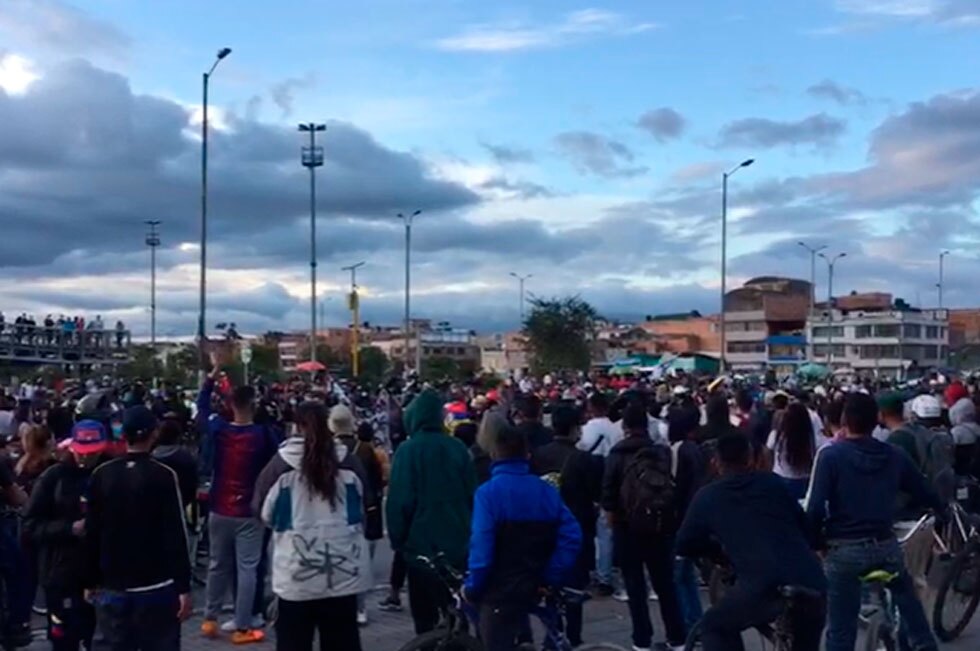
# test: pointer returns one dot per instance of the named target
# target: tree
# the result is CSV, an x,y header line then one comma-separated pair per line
x,y
437,369
558,332
142,365
374,365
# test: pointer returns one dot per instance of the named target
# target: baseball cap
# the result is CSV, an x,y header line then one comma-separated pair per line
x,y
138,423
891,401
927,407
88,437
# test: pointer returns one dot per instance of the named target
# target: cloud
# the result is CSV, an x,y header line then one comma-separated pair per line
x,y
522,189
953,13
663,123
697,172
575,27
59,27
505,154
283,93
596,154
819,130
833,91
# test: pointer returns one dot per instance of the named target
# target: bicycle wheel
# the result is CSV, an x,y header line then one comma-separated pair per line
x,y
958,595
693,638
878,637
442,641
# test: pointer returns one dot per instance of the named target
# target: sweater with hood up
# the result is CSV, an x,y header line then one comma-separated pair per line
x,y
966,435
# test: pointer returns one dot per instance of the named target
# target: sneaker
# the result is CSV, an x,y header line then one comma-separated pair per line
x,y
362,619
391,604
654,596
209,628
621,596
604,590
258,621
250,636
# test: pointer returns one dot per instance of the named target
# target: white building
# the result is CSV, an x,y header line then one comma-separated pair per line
x,y
888,342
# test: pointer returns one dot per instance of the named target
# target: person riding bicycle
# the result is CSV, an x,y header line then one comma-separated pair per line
x,y
523,537
750,517
852,506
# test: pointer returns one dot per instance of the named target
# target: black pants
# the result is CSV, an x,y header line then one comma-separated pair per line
x,y
427,598
637,557
502,626
140,621
398,571
740,609
335,619
71,619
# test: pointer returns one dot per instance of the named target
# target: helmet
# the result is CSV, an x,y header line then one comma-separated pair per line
x,y
927,406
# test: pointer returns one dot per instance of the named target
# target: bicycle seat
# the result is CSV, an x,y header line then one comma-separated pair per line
x,y
883,577
799,592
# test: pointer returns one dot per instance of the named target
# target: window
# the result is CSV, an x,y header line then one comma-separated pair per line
x,y
862,331
886,330
781,350
912,330
823,332
460,351
745,347
820,351
932,352
932,332
944,352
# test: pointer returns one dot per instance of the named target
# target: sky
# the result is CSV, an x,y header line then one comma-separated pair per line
x,y
581,143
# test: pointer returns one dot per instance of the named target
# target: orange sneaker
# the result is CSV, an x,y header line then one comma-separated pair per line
x,y
247,637
209,629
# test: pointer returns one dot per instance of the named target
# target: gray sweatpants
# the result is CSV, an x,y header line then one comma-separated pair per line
x,y
235,547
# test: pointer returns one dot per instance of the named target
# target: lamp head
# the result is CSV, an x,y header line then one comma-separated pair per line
x,y
748,162
223,52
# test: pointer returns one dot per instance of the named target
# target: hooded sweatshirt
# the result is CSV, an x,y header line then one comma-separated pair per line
x,y
966,435
853,489
430,498
319,548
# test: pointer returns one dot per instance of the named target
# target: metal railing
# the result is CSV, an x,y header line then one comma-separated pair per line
x,y
40,345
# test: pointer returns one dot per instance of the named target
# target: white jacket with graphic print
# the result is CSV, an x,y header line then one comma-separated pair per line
x,y
319,550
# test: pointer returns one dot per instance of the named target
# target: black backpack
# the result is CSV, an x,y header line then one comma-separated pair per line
x,y
648,492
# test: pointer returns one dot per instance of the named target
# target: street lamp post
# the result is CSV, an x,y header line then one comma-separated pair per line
x,y
521,280
813,271
202,314
354,303
312,158
939,286
408,219
153,241
724,250
831,263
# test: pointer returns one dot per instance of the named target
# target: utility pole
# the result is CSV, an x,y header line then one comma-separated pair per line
x,y
831,263
153,241
724,253
354,303
202,315
521,280
312,158
408,219
939,286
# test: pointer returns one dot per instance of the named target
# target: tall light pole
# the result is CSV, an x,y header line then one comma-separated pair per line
x,y
312,158
831,263
724,251
153,241
939,286
408,219
521,280
354,303
813,271
202,315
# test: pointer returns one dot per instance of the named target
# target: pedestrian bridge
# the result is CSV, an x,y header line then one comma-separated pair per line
x,y
37,345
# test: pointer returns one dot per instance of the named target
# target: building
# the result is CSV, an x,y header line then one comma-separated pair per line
x,y
964,327
765,322
504,354
684,333
876,336
442,342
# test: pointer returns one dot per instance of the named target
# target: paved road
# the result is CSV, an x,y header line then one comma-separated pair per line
x,y
606,621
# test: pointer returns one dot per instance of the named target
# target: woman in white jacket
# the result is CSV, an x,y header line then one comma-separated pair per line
x,y
320,560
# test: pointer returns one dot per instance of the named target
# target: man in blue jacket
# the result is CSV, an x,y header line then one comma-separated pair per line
x,y
852,504
523,538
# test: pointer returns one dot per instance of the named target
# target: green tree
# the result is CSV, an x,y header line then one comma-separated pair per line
x,y
374,365
558,332
437,369
142,364
182,366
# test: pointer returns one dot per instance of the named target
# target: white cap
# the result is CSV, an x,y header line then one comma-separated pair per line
x,y
927,407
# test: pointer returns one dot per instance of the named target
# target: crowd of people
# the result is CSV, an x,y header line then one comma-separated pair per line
x,y
66,331
613,486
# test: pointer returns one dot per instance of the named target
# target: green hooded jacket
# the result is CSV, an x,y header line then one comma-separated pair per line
x,y
430,497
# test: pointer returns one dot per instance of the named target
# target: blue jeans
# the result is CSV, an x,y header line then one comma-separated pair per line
x,y
688,597
845,564
604,550
14,570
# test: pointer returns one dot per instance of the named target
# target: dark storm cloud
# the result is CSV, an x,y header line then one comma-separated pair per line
x,y
839,93
59,27
819,130
596,154
283,93
83,157
663,123
505,154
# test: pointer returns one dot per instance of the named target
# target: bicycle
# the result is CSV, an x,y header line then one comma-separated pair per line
x,y
779,632
453,633
958,591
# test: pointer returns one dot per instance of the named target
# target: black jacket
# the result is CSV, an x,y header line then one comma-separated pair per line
x,y
612,478
55,505
581,479
760,528
182,462
690,475
134,529
536,433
